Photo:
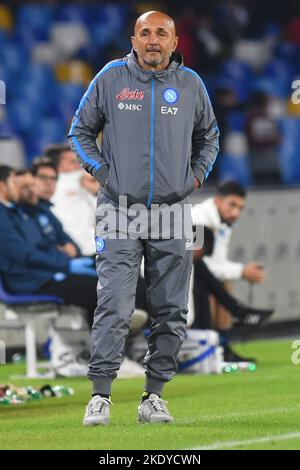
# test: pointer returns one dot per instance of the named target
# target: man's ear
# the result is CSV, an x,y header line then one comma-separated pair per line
x,y
133,42
176,39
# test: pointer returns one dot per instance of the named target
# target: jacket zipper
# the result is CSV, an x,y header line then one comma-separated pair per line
x,y
150,196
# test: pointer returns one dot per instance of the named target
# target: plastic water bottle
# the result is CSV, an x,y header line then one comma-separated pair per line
x,y
11,398
33,394
18,358
230,367
61,391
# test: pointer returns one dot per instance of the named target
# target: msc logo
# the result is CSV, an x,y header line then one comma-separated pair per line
x,y
127,94
130,107
170,95
169,110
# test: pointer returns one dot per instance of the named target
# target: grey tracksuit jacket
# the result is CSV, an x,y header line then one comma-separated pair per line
x,y
159,131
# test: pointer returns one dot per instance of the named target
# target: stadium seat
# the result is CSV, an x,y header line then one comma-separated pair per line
x,y
70,93
113,15
289,153
48,131
6,18
68,99
69,37
75,14
35,18
28,38
6,131
271,30
28,308
281,72
44,53
240,74
252,52
33,96
286,50
3,39
236,121
22,117
14,58
236,168
74,71
101,34
108,20
38,74
270,86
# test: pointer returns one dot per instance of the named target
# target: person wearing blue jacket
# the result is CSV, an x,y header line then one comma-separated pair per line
x,y
42,178
29,264
159,142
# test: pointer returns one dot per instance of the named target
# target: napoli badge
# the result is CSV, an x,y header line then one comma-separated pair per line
x,y
170,95
100,244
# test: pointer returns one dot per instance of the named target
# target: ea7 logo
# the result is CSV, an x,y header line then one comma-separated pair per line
x,y
169,110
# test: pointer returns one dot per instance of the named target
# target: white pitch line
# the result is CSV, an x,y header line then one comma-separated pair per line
x,y
239,414
246,442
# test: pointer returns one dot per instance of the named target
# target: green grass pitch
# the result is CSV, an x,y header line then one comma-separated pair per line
x,y
242,410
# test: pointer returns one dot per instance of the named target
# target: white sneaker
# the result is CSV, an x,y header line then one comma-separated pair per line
x,y
130,369
71,369
153,410
97,411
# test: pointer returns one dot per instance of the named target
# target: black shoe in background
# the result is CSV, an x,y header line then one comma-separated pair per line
x,y
231,356
254,316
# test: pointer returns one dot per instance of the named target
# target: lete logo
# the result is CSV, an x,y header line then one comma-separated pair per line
x,y
127,94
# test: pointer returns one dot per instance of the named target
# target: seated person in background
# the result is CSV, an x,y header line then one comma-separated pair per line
x,y
36,188
29,264
74,198
41,184
206,283
219,213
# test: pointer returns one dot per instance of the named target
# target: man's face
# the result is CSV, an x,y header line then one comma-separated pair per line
x,y
45,183
26,189
230,207
9,189
68,162
154,40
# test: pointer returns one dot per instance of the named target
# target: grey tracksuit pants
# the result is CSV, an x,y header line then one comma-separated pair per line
x,y
167,274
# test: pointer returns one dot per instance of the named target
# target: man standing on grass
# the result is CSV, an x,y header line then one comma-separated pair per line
x,y
160,140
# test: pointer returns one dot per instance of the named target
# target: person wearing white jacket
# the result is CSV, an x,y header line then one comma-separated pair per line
x,y
74,200
75,207
219,213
